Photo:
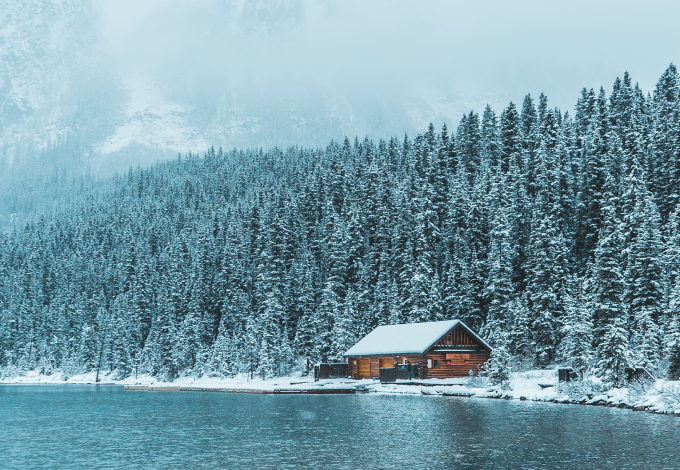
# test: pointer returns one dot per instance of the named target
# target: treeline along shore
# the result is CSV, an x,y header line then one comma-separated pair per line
x,y
553,234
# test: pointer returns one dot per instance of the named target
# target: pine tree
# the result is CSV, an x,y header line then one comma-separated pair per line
x,y
270,333
459,292
122,361
499,289
646,341
382,300
478,230
665,155
671,256
595,155
576,347
548,270
606,285
224,357
163,336
644,293
520,210
614,354
672,338
442,170
510,151
435,303
567,190
305,330
333,294
498,366
342,335
468,144
519,339
422,271
489,138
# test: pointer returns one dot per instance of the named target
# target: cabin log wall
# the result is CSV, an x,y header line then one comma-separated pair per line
x,y
352,369
456,368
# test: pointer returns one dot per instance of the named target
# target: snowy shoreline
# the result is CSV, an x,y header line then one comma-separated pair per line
x,y
662,397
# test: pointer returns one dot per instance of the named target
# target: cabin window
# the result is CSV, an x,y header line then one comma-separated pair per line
x,y
403,360
433,364
386,363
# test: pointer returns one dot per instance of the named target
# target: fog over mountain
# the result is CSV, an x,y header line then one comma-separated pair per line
x,y
96,86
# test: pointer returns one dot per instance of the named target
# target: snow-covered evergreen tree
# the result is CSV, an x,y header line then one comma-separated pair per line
x,y
644,293
499,288
606,284
613,354
498,367
254,261
576,346
671,340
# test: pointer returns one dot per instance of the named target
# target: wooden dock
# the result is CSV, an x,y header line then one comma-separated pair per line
x,y
420,384
275,391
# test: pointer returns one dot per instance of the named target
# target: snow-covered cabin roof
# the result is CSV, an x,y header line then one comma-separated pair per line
x,y
407,338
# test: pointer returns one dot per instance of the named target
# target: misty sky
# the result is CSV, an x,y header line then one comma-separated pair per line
x,y
455,55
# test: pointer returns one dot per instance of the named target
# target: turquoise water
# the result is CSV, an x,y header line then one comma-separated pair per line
x,y
81,426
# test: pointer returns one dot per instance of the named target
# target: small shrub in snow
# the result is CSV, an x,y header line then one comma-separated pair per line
x,y
576,390
639,388
11,371
474,380
670,396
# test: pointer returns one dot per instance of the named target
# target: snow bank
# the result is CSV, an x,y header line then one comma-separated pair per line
x,y
661,396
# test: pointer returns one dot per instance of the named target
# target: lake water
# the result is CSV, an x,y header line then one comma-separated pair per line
x,y
81,426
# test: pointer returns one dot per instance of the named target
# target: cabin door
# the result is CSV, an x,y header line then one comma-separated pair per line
x,y
363,368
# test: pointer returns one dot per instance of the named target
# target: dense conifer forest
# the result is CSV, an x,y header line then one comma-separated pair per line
x,y
555,235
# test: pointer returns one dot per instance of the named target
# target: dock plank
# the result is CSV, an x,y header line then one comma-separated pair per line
x,y
307,391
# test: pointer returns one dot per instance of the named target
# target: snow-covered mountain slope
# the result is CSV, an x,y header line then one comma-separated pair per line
x,y
130,90
51,66
152,119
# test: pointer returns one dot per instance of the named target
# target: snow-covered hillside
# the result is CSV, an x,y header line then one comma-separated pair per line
x,y
66,76
125,82
51,68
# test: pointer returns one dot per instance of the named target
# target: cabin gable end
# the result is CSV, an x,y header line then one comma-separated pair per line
x,y
459,339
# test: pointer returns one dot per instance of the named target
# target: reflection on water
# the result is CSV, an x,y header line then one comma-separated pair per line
x,y
73,426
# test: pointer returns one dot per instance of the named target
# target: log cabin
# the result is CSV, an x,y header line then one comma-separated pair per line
x,y
443,349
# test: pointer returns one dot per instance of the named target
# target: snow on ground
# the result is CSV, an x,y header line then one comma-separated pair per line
x,y
236,383
661,396
526,384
